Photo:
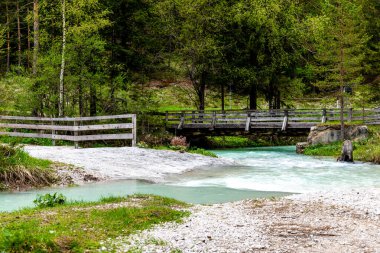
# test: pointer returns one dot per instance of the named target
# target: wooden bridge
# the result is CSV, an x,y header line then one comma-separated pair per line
x,y
264,120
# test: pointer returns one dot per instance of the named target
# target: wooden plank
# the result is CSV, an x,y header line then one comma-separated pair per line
x,y
67,128
104,137
27,135
125,116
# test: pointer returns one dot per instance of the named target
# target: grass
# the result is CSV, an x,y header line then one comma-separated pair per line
x,y
18,169
220,142
224,142
191,150
365,150
81,227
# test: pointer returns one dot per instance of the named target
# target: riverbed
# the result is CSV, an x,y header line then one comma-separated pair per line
x,y
248,173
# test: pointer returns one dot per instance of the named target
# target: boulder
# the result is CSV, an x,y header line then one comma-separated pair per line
x,y
329,134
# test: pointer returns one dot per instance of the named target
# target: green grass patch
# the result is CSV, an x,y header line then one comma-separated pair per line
x,y
201,151
191,150
81,227
19,170
332,149
219,142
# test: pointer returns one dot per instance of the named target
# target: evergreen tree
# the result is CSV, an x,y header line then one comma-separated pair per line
x,y
341,48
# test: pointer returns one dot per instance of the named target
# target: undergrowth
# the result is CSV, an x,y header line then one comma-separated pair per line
x,y
19,170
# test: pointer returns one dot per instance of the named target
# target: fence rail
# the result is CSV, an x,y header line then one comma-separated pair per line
x,y
117,127
280,119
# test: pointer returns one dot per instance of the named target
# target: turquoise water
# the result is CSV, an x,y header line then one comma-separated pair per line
x,y
280,169
259,172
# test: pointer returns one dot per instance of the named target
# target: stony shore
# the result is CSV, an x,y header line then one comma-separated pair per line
x,y
126,162
339,221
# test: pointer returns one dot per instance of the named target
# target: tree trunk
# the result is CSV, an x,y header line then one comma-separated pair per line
x,y
62,74
201,91
278,100
92,100
341,73
253,97
8,39
18,33
222,96
80,98
36,29
28,53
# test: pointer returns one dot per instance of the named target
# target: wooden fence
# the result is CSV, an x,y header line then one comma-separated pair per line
x,y
118,127
278,119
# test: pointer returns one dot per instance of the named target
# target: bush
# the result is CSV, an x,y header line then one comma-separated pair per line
x,y
179,142
49,200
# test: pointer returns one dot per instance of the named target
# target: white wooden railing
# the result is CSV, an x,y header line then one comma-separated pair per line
x,y
117,127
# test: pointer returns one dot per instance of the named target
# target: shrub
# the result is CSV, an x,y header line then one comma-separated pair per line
x,y
49,200
179,142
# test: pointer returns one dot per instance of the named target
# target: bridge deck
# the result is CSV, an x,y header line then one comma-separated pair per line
x,y
265,119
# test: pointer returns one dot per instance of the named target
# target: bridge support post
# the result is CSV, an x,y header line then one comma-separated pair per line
x,y
182,121
324,116
285,122
248,122
213,123
350,112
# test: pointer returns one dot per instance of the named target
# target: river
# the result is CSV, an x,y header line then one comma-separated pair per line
x,y
261,172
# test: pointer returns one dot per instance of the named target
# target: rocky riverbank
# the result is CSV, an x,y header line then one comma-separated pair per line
x,y
126,162
339,221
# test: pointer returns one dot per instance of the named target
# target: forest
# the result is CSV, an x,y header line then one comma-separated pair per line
x,y
96,57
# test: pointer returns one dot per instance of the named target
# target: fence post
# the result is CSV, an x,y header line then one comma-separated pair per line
x,y
213,123
134,130
53,133
76,135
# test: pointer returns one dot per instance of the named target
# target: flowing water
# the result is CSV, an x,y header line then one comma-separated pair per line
x,y
260,172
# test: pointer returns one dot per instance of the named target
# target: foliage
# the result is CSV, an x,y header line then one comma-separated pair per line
x,y
49,200
272,51
73,225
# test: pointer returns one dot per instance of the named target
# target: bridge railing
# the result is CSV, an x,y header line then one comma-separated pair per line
x,y
283,119
117,127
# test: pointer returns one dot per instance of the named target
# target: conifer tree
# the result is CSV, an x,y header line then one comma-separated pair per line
x,y
341,49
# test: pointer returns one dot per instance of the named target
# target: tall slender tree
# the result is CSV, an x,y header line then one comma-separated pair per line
x,y
341,49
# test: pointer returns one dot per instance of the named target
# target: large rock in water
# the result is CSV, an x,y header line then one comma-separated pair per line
x,y
347,152
329,134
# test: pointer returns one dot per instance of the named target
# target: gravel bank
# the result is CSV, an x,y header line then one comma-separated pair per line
x,y
296,224
126,162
